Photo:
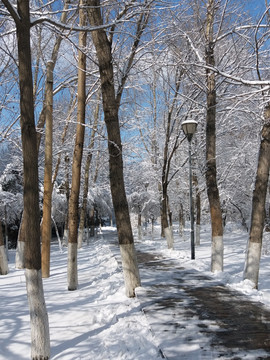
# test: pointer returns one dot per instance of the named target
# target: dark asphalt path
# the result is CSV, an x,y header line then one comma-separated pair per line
x,y
191,321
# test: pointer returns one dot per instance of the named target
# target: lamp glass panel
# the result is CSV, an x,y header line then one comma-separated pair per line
x,y
189,128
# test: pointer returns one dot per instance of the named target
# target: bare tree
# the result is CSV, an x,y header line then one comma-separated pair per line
x,y
47,196
77,158
211,170
198,209
86,173
19,260
3,254
252,265
67,192
40,348
111,102
45,114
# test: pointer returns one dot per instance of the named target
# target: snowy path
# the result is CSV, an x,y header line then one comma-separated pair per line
x,y
184,304
193,316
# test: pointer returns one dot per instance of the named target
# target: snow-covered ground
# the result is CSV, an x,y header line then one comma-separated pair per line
x,y
98,321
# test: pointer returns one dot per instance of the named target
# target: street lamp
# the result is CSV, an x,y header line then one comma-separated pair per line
x,y
189,127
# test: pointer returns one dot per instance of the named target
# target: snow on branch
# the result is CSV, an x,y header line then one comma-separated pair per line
x,y
12,11
46,18
234,78
59,24
238,29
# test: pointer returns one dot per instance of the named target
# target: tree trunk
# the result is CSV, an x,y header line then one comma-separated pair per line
x,y
73,103
3,254
65,235
40,339
198,211
86,176
181,219
46,229
167,157
40,125
252,265
77,159
169,236
152,226
54,56
140,224
110,108
170,215
164,211
198,219
57,234
19,260
6,232
211,171
164,217
92,222
84,202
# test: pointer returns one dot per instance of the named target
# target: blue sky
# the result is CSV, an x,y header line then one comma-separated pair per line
x,y
256,7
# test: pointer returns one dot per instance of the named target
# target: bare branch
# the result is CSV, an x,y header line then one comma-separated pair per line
x,y
13,12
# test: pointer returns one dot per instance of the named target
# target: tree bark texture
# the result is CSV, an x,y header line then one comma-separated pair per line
x,y
40,125
31,191
67,190
46,117
92,221
164,182
3,261
251,271
3,254
110,108
46,229
77,159
181,217
211,170
167,157
28,133
86,176
84,201
198,210
19,260
54,56
164,185
140,223
164,216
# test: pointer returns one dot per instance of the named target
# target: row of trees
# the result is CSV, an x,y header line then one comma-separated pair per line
x,y
128,74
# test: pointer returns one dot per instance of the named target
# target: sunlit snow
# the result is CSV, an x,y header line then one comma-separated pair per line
x,y
98,321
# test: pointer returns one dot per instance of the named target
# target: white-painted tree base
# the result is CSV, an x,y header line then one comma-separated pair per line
x,y
3,261
169,237
130,268
19,261
40,336
72,267
252,264
217,254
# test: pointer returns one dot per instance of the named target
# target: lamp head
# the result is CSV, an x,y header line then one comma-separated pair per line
x,y
189,128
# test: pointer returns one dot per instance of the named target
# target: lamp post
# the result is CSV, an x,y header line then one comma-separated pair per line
x,y
189,127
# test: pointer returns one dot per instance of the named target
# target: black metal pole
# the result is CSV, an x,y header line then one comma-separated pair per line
x,y
191,205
